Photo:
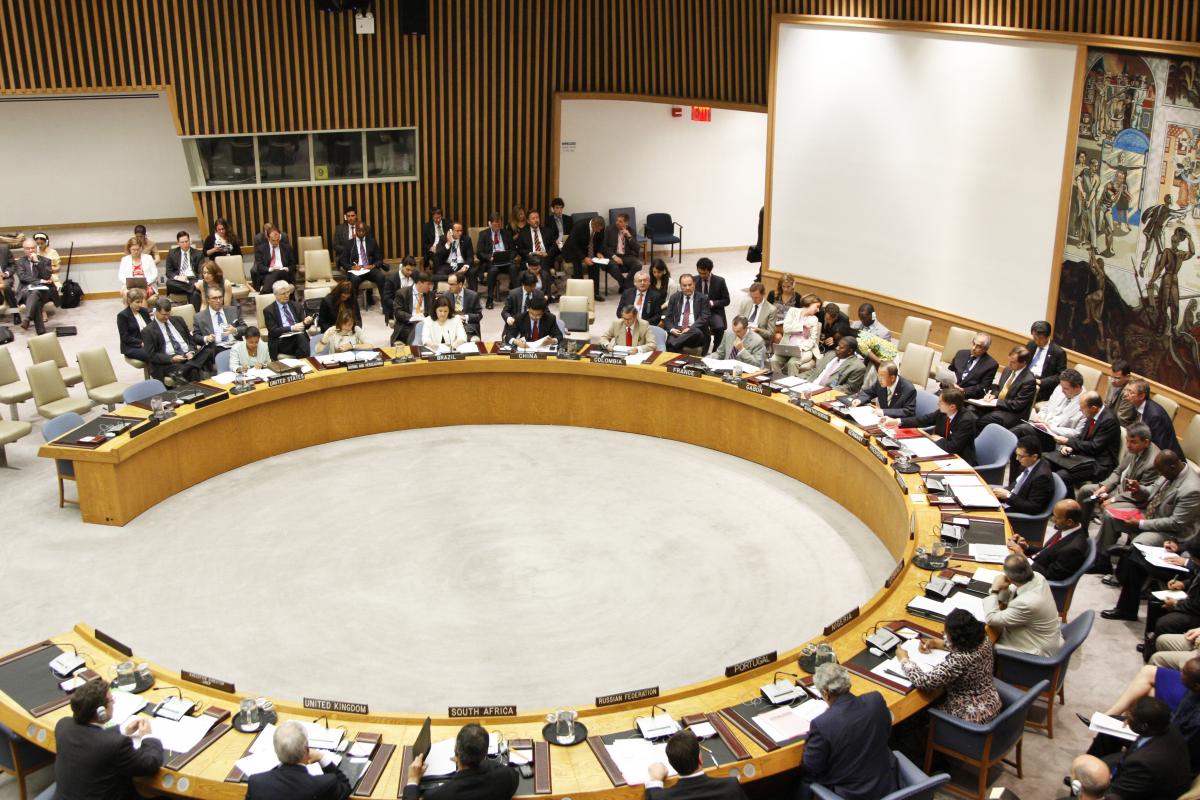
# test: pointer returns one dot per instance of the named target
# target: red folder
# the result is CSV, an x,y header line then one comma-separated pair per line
x,y
1125,514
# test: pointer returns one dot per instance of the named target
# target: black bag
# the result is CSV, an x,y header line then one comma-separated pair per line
x,y
72,294
6,335
754,254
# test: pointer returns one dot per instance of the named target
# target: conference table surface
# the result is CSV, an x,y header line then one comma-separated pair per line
x,y
492,389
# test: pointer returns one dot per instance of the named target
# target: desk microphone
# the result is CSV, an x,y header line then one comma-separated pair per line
x,y
780,693
164,709
324,719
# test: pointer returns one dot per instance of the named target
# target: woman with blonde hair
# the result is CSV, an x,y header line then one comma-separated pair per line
x,y
136,264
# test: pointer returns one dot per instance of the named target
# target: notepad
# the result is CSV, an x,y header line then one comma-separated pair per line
x,y
891,670
926,660
1156,557
1170,594
638,358
988,553
790,722
180,736
923,448
1102,723
633,758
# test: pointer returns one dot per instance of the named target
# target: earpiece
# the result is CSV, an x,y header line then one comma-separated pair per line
x,y
1076,787
102,715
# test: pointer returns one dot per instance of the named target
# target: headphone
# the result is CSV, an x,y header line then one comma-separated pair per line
x,y
102,715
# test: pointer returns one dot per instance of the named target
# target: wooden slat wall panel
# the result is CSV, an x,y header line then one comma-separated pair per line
x,y
479,88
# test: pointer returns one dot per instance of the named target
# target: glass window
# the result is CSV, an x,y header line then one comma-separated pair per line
x,y
337,156
226,160
391,154
283,158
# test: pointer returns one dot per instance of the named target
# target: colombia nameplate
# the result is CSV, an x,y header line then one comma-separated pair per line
x,y
856,434
121,648
626,697
482,711
339,706
374,362
204,680
691,372
291,377
616,361
878,452
818,413
449,357
841,621
751,663
758,388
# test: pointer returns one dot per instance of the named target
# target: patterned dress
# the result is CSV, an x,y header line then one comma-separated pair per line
x,y
967,679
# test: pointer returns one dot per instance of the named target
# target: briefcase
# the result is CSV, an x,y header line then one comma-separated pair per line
x,y
1079,468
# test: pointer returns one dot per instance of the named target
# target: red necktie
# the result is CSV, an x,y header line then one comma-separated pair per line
x,y
1054,537
535,331
947,427
495,238
628,336
1091,427
687,312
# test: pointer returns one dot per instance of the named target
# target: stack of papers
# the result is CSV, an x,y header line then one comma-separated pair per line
x,y
863,416
790,722
988,553
347,357
125,705
921,447
1102,723
441,759
788,383
304,366
319,738
634,757
179,736
985,575
546,344
926,660
940,608
1156,557
638,358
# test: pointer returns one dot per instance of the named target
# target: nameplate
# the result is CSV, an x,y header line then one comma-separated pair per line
x,y
878,452
895,574
900,482
140,429
121,648
204,680
626,697
563,356
691,372
841,621
215,398
482,711
616,361
528,355
291,377
340,706
751,663
856,435
818,413
357,365
449,357
758,388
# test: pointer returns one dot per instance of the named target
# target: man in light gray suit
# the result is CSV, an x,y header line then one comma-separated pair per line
x,y
840,368
629,331
759,314
217,324
1172,503
1137,465
1022,608
743,344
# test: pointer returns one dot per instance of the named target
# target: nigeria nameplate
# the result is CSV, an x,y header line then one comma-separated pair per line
x,y
841,621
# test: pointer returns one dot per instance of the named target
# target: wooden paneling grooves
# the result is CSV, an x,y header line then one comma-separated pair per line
x,y
479,88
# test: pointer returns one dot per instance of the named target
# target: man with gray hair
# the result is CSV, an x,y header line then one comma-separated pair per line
x,y
35,285
847,748
293,779
286,323
1022,608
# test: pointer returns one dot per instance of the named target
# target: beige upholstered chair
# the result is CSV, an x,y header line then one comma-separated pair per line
x,y
1168,405
956,339
845,307
9,433
574,302
50,395
12,389
186,313
1091,376
304,244
99,378
318,274
47,348
133,362
915,331
234,269
261,301
1191,442
582,287
916,363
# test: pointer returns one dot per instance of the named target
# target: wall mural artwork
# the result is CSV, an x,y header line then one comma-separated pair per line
x,y
1130,284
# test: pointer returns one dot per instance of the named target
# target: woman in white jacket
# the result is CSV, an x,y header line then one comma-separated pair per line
x,y
443,327
136,264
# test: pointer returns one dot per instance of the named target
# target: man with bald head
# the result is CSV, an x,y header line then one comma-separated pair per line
x,y
1064,550
1092,453
1021,607
1093,776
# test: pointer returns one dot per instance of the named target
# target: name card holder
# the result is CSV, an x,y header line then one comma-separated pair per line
x,y
818,413
758,388
690,372
212,399
448,357
626,697
878,452
380,755
528,355
280,380
900,482
841,621
354,366
482,711
855,434
615,361
751,664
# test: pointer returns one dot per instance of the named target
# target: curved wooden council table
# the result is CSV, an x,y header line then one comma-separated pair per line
x,y
641,399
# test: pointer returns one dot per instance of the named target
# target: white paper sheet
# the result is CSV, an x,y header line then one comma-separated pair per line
x,y
181,736
634,757
468,347
975,496
125,705
1102,723
921,447
258,762
864,416
1155,557
1170,594
892,671
224,378
988,553
295,362
441,758
986,575
967,602
637,358
924,660
788,722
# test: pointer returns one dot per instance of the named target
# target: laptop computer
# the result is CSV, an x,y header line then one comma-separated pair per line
x,y
135,283
787,351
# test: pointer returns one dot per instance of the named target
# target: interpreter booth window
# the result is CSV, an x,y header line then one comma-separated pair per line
x,y
338,156
284,159
392,154
223,161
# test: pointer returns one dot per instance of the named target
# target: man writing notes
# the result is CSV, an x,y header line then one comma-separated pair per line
x,y
758,312
742,344
686,317
1021,607
1013,397
893,395
684,755
364,253
583,247
629,332
839,369
216,324
536,326
953,424
292,779
1061,415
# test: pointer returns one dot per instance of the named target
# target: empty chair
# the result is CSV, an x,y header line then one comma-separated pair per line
x,y
12,389
1033,526
21,758
993,448
222,360
63,466
261,301
318,274
50,396
1064,590
983,745
99,378
418,332
582,287
914,784
957,339
927,402
143,389
1024,669
915,331
845,307
573,302
660,337
11,431
916,363
1190,443
1091,376
1168,405
186,313
306,243
661,229
46,347
233,268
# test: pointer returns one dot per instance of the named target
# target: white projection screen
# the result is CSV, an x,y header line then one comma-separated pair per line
x,y
920,166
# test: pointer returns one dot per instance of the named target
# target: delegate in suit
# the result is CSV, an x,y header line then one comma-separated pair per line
x,y
893,395
1063,552
684,756
953,424
686,318
742,344
647,301
1022,608
1012,400
840,368
1032,487
972,370
477,778
291,780
1137,466
629,331
715,289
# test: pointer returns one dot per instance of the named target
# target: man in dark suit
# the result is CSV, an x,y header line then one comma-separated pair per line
x,y
1046,358
35,285
714,288
683,753
496,252
217,324
128,329
583,246
183,268
686,317
98,763
542,280
536,243
465,303
274,261
893,395
286,324
363,252
516,303
1162,431
647,301
6,275
847,749
344,232
1013,395
1062,553
433,232
400,279
477,778
973,370
1154,765
412,305
621,248
174,354
558,222
291,780
535,324
1032,486
954,425
453,255
1091,454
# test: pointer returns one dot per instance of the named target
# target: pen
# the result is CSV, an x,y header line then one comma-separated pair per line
x,y
710,754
